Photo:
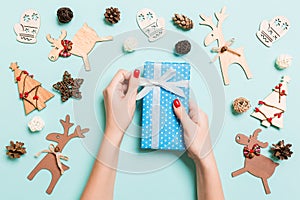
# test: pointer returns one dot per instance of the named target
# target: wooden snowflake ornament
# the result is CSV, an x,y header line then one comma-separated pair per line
x,y
81,45
226,55
273,107
31,92
255,163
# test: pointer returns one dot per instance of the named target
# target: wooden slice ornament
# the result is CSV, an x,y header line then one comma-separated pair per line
x,y
226,55
81,44
31,92
255,163
51,161
273,107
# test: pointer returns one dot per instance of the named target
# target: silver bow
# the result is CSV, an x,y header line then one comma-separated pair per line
x,y
173,87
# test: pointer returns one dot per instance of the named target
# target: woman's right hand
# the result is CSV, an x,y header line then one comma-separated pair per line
x,y
196,129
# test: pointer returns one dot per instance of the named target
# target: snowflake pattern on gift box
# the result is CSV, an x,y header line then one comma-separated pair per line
x,y
171,132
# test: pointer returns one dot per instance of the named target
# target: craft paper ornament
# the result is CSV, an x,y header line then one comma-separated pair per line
x,y
28,27
255,163
226,55
270,32
151,25
81,44
31,92
272,108
51,161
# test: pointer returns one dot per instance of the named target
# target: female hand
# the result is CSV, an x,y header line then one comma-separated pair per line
x,y
196,129
120,101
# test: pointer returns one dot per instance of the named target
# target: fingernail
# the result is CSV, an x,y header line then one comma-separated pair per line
x,y
136,73
176,103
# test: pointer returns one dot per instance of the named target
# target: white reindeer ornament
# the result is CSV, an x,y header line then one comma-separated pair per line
x,y
82,43
226,55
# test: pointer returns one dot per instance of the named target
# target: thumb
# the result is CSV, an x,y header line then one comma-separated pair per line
x,y
133,84
182,115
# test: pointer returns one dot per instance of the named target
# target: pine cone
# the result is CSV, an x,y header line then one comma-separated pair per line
x,y
282,151
15,150
64,15
183,21
112,15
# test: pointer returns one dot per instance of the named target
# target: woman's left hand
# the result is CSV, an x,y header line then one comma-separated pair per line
x,y
120,101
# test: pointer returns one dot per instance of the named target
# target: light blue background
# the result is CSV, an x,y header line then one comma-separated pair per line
x,y
178,180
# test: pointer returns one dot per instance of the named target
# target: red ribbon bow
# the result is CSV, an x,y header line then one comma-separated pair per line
x,y
67,44
250,153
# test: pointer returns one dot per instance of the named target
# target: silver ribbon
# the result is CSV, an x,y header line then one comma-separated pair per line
x,y
160,81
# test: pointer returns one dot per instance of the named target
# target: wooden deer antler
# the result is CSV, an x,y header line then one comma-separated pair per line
x,y
78,132
62,35
66,124
256,132
221,16
207,21
50,39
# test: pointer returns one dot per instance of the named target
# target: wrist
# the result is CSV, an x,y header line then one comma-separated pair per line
x,y
206,161
114,136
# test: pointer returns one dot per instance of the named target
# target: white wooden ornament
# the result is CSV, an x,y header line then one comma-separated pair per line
x,y
151,25
28,27
82,43
226,55
270,31
273,106
283,61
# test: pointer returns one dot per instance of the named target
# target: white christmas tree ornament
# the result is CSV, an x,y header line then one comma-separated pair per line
x,y
273,107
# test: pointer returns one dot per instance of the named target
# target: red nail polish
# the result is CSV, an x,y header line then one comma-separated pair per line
x,y
136,73
176,103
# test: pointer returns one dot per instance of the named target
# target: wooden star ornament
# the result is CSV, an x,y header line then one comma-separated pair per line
x,y
69,87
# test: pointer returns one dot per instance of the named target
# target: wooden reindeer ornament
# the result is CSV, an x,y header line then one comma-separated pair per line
x,y
226,55
51,161
82,43
255,163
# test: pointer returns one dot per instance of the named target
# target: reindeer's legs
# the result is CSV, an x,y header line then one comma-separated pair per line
x,y
34,172
244,65
239,172
266,185
86,62
224,69
53,182
107,38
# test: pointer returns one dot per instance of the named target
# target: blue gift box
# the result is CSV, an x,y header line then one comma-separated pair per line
x,y
163,82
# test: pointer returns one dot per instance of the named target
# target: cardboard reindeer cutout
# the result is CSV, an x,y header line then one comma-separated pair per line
x,y
51,161
81,45
226,55
255,163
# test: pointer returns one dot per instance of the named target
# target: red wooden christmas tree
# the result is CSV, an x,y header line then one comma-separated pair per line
x,y
31,92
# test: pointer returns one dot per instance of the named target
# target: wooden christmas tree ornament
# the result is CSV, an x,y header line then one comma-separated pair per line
x,y
272,108
81,45
226,55
31,92
51,161
255,163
